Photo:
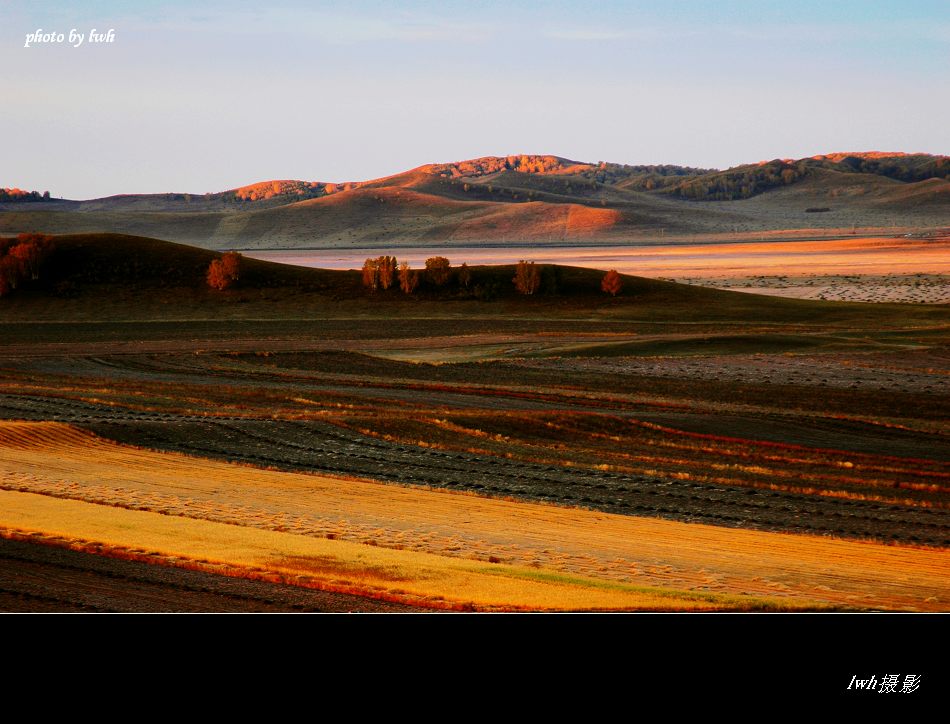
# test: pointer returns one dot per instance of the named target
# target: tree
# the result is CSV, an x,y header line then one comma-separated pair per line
x,y
527,278
612,283
223,272
408,279
465,275
386,268
437,270
9,275
231,265
371,274
216,277
22,258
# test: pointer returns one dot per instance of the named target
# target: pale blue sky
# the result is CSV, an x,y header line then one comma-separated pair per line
x,y
196,97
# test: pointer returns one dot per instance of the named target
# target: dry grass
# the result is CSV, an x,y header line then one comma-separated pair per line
x,y
434,546
397,575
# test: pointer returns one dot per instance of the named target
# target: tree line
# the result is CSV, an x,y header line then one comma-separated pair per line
x,y
21,195
382,272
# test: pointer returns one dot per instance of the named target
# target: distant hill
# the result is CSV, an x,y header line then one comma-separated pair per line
x,y
527,199
743,182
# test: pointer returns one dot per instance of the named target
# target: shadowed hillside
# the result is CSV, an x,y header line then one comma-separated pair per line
x,y
112,276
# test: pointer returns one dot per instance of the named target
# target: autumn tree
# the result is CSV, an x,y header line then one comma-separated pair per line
x,y
437,270
527,277
611,283
371,274
216,277
9,275
231,265
408,279
386,269
223,272
22,258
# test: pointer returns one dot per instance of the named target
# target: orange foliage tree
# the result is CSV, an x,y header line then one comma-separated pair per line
x,y
408,279
231,265
611,283
437,270
22,259
527,277
386,266
371,274
223,272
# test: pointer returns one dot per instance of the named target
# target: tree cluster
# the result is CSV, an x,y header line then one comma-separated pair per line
x,y
298,190
380,273
529,278
21,195
741,182
908,168
22,259
223,273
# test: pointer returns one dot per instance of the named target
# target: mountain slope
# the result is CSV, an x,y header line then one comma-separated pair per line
x,y
518,199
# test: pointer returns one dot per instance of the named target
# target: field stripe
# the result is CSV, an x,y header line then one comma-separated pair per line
x,y
411,577
60,462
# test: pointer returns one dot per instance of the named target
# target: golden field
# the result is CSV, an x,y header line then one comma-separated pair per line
x,y
427,546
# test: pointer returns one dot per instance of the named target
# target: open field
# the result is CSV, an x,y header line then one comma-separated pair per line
x,y
415,544
669,405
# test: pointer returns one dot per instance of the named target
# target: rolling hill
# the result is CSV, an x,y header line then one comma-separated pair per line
x,y
518,199
95,277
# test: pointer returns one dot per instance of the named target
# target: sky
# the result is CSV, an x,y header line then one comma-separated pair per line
x,y
203,97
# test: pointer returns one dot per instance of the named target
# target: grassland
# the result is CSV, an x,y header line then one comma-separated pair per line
x,y
668,405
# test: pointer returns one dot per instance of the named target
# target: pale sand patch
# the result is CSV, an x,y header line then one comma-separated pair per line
x,y
60,462
880,288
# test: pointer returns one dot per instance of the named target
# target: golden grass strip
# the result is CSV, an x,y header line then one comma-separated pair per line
x,y
418,578
61,462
